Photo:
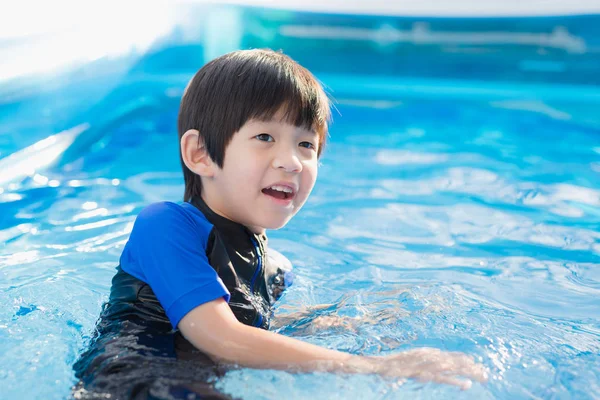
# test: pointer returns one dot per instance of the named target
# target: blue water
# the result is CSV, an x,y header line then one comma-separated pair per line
x,y
459,219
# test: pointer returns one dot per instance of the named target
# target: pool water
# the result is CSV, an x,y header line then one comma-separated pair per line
x,y
464,223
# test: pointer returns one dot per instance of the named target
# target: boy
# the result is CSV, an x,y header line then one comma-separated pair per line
x,y
195,284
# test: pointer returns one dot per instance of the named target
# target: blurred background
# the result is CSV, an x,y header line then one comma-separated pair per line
x,y
458,203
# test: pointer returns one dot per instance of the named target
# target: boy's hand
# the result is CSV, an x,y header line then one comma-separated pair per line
x,y
213,329
427,365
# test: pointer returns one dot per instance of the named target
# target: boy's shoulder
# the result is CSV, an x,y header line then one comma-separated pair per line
x,y
167,215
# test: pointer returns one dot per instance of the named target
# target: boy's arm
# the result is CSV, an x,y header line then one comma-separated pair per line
x,y
213,328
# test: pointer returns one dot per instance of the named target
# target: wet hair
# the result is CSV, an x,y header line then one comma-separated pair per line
x,y
248,85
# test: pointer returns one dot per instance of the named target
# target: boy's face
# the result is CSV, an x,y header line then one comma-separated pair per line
x,y
268,172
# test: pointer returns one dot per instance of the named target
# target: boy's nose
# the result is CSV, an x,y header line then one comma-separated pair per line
x,y
287,161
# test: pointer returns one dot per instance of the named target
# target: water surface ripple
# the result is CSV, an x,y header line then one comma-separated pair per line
x,y
466,226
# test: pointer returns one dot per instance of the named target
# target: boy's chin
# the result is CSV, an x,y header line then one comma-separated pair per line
x,y
275,224
258,229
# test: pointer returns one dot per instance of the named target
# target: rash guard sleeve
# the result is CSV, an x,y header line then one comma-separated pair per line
x,y
167,250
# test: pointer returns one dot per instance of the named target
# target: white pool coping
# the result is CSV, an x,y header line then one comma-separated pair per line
x,y
432,8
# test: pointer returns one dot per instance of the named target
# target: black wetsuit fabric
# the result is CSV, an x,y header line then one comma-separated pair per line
x,y
136,353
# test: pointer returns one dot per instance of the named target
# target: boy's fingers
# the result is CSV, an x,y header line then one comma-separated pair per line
x,y
476,372
482,374
428,364
463,384
461,366
427,376
467,366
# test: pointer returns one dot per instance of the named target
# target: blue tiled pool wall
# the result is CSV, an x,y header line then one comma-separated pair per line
x,y
558,49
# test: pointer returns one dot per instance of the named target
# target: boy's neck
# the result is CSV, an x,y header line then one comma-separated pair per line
x,y
210,204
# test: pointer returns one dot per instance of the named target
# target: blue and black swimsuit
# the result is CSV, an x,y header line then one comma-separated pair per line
x,y
178,257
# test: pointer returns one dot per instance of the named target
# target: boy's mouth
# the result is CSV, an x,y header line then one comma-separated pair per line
x,y
280,192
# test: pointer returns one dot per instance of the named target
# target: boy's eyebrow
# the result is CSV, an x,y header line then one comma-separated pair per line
x,y
275,122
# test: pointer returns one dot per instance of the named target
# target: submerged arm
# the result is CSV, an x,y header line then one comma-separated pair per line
x,y
213,329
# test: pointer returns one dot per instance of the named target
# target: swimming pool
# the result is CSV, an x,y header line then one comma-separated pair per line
x,y
458,203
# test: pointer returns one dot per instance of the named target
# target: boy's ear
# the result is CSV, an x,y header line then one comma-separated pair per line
x,y
194,154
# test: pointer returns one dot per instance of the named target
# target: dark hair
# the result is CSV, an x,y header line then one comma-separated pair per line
x,y
243,85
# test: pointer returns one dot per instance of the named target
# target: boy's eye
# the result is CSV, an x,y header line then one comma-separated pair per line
x,y
264,137
307,145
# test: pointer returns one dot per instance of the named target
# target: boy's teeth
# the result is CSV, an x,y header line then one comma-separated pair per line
x,y
281,188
